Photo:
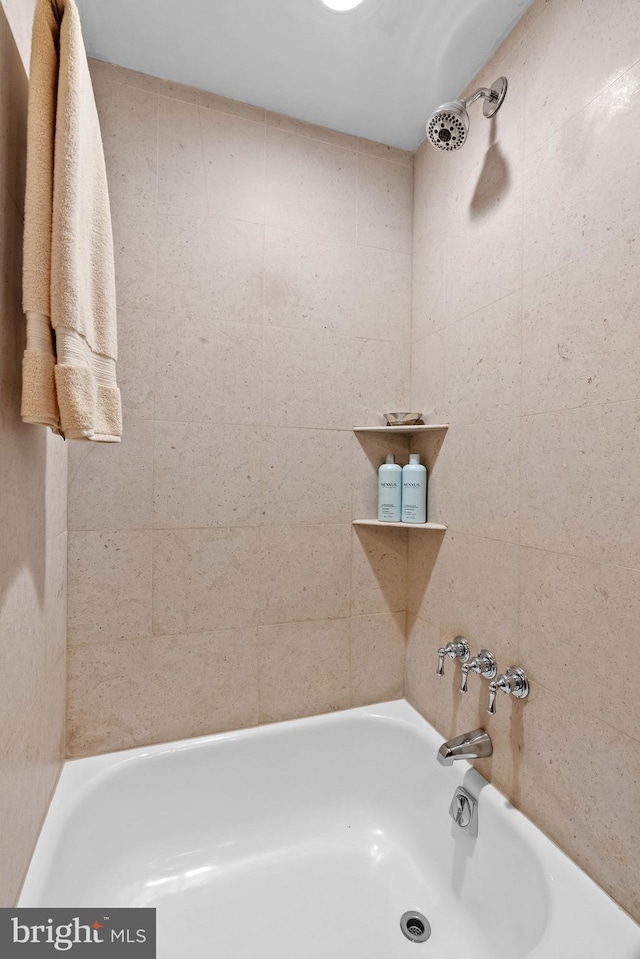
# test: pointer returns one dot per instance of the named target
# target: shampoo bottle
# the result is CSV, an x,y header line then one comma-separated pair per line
x,y
389,491
414,491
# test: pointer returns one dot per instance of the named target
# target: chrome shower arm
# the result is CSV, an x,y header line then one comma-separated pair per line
x,y
492,97
481,92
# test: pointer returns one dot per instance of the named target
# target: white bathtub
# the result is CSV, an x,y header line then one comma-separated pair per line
x,y
309,840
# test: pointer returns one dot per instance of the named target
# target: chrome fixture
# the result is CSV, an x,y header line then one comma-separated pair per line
x,y
458,649
447,127
474,745
514,683
464,811
484,664
415,926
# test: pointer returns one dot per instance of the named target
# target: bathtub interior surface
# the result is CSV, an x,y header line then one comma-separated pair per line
x,y
311,838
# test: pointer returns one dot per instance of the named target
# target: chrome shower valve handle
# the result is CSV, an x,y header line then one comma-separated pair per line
x,y
484,664
458,649
513,683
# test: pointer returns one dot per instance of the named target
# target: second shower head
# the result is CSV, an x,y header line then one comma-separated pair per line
x,y
447,127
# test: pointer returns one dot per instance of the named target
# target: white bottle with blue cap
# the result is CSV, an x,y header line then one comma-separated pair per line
x,y
414,491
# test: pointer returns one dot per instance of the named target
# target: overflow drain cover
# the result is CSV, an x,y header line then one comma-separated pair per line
x,y
415,926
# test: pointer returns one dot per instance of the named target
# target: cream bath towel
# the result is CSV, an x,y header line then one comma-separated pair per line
x,y
69,365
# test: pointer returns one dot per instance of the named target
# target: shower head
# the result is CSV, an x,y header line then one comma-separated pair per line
x,y
447,127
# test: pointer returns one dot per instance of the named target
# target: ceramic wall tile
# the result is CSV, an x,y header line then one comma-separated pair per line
x,y
383,280
24,661
307,379
111,485
469,589
210,101
378,570
234,162
574,163
433,208
309,281
562,778
422,644
429,301
426,577
109,585
221,362
181,168
377,657
129,126
290,125
311,186
381,375
134,225
54,633
128,116
430,386
385,193
303,669
206,579
211,266
109,697
482,363
384,152
206,475
475,486
55,485
30,762
204,683
471,284
580,338
305,572
560,81
305,477
579,492
574,612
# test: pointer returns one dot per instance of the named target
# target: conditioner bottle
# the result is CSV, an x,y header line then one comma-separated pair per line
x,y
389,491
414,491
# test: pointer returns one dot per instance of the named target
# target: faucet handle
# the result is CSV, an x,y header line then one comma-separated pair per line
x,y
484,664
513,683
458,649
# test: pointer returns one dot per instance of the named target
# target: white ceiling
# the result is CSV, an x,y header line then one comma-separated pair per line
x,y
377,71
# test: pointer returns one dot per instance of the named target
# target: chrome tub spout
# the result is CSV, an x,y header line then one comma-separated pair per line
x,y
474,745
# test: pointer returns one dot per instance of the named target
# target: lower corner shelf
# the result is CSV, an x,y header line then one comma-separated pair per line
x,y
377,522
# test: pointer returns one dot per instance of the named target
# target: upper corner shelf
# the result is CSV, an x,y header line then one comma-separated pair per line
x,y
389,430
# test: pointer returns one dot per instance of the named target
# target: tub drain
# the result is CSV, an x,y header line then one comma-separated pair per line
x,y
415,926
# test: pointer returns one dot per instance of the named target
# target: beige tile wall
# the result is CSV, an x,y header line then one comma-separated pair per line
x,y
264,288
525,338
33,541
